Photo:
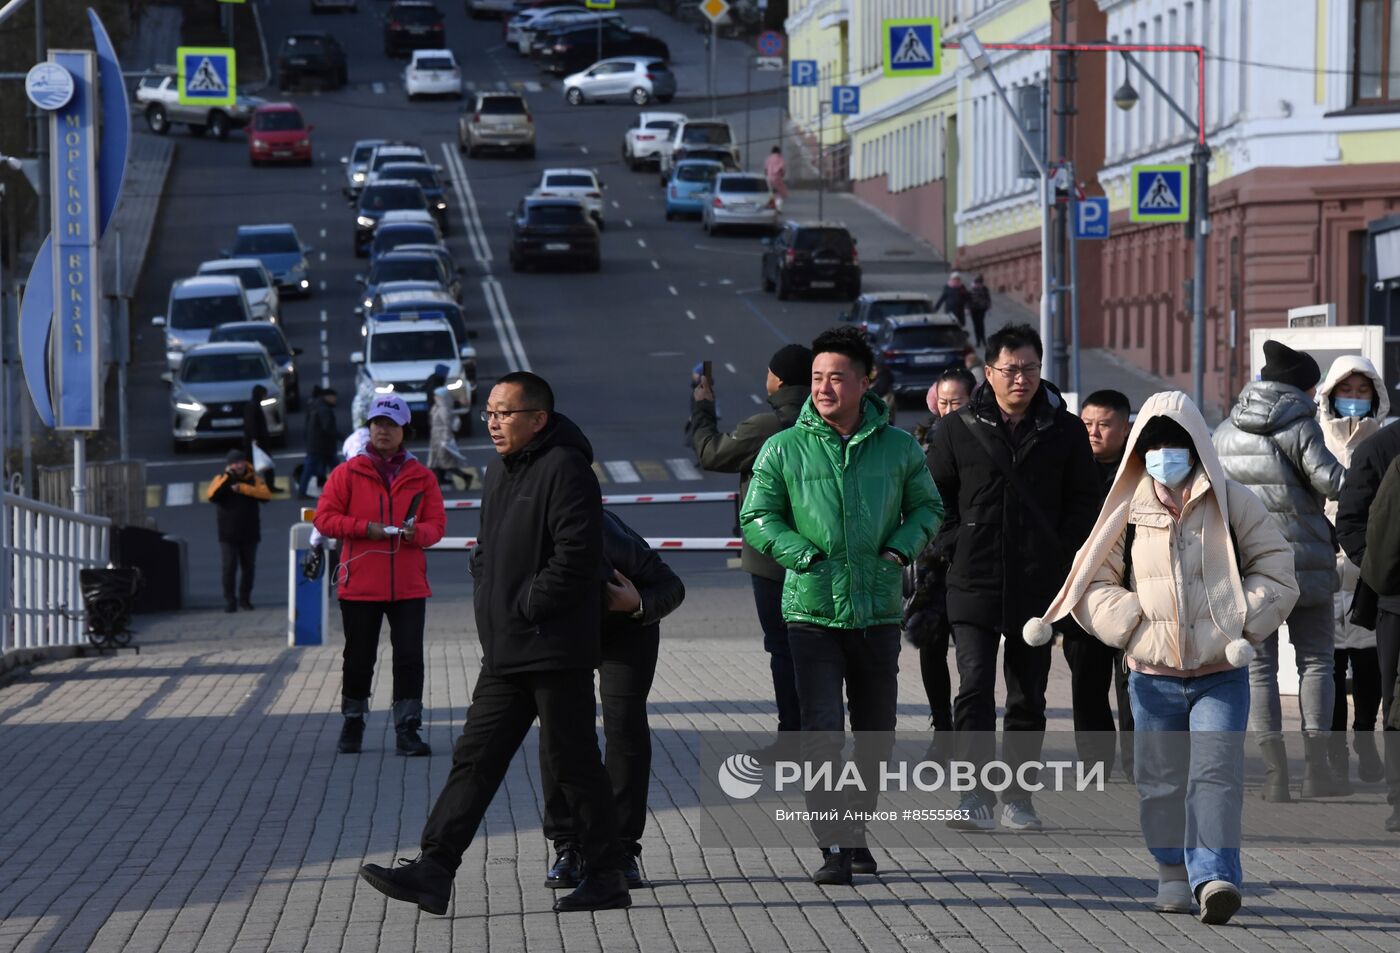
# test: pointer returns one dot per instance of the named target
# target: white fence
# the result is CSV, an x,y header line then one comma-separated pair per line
x,y
44,547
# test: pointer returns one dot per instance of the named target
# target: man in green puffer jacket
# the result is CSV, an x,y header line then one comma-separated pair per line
x,y
843,501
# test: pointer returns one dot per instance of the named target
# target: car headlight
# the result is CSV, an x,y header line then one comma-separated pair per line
x,y
442,206
357,177
289,368
299,267
458,384
189,406
383,388
369,302
303,143
259,143
364,221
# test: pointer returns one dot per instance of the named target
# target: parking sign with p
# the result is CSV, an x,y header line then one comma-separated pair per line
x,y
1091,218
804,73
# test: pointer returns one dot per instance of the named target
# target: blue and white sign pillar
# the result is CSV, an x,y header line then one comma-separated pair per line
x,y
308,600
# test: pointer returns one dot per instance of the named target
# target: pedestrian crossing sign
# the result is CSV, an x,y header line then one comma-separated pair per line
x,y
1161,193
913,47
206,75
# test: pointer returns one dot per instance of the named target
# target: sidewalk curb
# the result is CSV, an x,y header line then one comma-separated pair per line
x,y
16,663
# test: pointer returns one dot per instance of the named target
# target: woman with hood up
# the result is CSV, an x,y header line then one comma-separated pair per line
x,y
1183,571
1352,404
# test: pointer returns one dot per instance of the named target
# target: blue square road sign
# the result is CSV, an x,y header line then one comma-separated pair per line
x,y
1160,193
206,75
912,47
845,100
1091,218
804,73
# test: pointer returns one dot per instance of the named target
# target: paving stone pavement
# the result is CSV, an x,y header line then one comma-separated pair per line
x,y
190,799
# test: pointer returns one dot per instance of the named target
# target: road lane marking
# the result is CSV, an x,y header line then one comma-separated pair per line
x,y
323,231
378,88
476,230
323,335
533,87
627,222
323,208
754,398
323,315
690,315
656,266
323,256
179,494
621,471
683,469
506,331
323,285
642,242
584,150
652,471
671,288
709,339
730,368
615,205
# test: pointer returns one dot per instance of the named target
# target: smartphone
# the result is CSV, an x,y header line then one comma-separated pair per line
x,y
412,509
707,372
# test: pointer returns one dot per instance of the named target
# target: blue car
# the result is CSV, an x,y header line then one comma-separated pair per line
x,y
280,251
690,186
428,179
390,235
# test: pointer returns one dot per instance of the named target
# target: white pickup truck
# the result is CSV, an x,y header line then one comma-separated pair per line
x,y
158,99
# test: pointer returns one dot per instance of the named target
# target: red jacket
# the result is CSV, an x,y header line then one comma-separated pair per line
x,y
380,570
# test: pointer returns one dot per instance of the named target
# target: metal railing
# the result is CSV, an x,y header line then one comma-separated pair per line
x,y
44,547
115,489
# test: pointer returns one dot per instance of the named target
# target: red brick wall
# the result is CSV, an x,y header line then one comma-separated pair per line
x,y
918,210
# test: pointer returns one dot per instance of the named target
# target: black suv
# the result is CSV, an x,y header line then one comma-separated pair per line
x,y
413,25
311,54
386,195
575,47
553,230
811,257
914,349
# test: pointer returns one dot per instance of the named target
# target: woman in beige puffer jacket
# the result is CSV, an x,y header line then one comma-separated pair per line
x,y
1208,573
1352,404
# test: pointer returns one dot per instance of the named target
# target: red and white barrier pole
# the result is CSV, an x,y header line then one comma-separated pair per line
x,y
633,499
695,544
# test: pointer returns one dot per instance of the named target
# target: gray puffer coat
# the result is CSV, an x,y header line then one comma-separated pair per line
x,y
1272,444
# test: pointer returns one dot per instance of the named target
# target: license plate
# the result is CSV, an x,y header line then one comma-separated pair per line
x,y
225,422
281,153
823,284
557,246
434,77
417,30
925,358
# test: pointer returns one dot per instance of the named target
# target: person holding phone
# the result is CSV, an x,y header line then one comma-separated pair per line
x,y
386,509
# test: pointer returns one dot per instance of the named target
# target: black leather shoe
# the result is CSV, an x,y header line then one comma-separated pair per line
x,y
567,869
245,604
409,744
231,607
1392,823
863,862
632,870
352,735
835,869
422,881
599,890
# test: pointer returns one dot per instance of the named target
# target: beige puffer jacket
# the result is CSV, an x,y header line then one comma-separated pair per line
x,y
1163,617
1343,436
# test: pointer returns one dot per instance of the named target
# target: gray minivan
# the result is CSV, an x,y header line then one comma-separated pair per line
x,y
196,306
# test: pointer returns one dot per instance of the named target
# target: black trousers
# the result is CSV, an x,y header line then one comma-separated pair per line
x,y
865,662
979,325
1365,688
933,668
768,600
502,709
362,622
1026,670
1093,667
239,558
624,681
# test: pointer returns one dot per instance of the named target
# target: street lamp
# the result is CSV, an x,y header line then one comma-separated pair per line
x,y
976,54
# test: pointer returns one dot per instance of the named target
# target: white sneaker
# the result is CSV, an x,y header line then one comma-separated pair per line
x,y
1173,890
974,814
1020,816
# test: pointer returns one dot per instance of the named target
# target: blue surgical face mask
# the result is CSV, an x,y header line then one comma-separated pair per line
x,y
1169,466
1352,407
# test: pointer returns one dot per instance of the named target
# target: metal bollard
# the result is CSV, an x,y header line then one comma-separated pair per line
x,y
308,600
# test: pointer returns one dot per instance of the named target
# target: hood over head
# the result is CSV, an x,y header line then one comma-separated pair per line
x,y
1342,368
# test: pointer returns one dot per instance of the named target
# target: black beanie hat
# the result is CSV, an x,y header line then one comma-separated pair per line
x,y
792,364
1287,366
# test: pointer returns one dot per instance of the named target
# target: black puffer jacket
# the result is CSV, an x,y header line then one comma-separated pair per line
x,y
1004,564
1369,464
539,563
661,589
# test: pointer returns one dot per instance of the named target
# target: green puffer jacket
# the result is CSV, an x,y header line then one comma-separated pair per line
x,y
825,510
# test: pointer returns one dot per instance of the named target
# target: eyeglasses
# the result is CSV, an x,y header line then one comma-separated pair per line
x,y
503,415
1013,371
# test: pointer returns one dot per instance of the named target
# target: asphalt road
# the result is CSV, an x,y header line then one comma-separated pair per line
x,y
617,345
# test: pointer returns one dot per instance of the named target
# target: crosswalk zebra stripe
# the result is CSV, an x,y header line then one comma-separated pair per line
x,y
683,469
621,471
179,494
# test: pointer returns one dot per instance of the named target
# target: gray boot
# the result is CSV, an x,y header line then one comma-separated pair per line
x,y
1318,780
1275,787
1369,766
352,733
408,718
1339,762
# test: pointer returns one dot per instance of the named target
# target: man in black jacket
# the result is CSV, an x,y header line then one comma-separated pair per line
x,y
1368,467
1022,492
642,591
789,384
539,567
322,440
239,493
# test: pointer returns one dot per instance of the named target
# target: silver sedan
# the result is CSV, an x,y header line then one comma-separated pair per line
x,y
740,200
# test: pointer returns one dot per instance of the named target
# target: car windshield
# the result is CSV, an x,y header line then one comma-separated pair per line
x,y
696,172
555,215
264,334
880,310
435,62
836,240
266,243
502,106
382,198
423,175
416,346
252,278
362,153
278,120
745,184
568,182
664,124
715,134
916,338
405,269
393,236
384,158
201,314
211,368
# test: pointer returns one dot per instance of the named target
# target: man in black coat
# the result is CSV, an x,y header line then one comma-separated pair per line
x,y
1022,492
322,440
1368,467
238,493
642,591
540,570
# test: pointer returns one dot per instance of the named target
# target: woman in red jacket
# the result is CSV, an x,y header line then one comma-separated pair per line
x,y
383,571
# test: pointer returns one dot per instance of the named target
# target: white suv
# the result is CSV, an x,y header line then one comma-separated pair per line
x,y
712,135
401,351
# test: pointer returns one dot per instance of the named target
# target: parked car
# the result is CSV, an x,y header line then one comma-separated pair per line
x,y
740,200
811,256
636,79
211,387
401,351
428,179
914,349
158,99
432,73
553,230
356,163
412,25
497,121
521,31
197,306
481,9
378,197
270,336
542,37
399,265
350,6
695,134
690,186
528,14
872,308
391,235
581,184
576,48
264,303
644,136
279,133
280,250
311,54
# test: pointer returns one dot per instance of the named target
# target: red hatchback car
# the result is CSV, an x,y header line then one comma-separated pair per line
x,y
279,133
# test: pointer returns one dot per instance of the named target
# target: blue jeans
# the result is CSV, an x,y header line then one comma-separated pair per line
x,y
314,465
1189,746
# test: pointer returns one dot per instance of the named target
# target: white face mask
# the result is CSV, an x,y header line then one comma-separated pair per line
x,y
1169,466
